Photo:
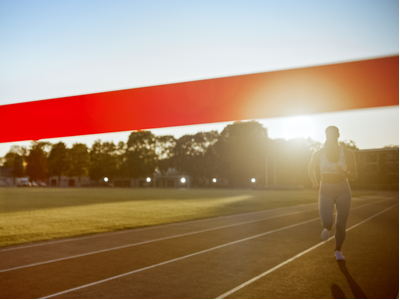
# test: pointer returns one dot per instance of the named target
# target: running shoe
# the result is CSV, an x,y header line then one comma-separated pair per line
x,y
325,234
339,255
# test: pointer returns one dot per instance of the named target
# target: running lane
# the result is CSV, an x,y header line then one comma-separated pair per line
x,y
371,269
202,265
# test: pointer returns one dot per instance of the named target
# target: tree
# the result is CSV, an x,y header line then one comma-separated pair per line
x,y
349,145
37,168
58,160
103,162
165,145
241,152
141,156
189,154
78,160
391,146
16,159
121,167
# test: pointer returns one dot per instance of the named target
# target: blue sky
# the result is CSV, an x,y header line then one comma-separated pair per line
x,y
51,49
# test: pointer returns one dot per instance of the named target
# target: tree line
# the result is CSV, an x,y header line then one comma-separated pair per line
x,y
240,152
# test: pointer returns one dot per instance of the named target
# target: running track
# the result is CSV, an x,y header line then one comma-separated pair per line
x,y
267,254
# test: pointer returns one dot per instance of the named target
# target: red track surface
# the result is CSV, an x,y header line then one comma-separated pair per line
x,y
208,258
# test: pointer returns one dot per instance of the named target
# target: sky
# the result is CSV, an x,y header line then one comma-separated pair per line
x,y
51,49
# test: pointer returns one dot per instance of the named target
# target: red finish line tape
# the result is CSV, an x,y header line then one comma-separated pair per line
x,y
335,87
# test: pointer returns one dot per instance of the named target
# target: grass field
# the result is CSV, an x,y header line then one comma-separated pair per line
x,y
35,214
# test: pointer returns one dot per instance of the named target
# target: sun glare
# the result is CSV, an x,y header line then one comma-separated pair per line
x,y
298,127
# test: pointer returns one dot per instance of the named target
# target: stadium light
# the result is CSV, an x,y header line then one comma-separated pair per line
x,y
183,180
148,179
253,180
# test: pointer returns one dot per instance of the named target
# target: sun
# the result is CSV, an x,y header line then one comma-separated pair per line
x,y
295,127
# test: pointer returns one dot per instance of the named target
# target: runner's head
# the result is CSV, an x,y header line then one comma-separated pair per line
x,y
332,133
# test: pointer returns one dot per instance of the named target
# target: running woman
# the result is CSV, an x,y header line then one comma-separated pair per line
x,y
337,165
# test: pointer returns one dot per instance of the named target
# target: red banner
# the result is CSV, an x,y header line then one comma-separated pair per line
x,y
335,87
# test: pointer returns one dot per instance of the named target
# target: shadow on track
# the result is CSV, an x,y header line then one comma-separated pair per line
x,y
355,288
337,292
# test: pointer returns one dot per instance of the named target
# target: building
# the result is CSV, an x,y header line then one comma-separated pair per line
x,y
132,182
6,178
377,168
171,179
66,181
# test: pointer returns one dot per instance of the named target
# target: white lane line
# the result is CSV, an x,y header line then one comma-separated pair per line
x,y
179,258
149,241
157,240
128,231
161,239
197,253
294,257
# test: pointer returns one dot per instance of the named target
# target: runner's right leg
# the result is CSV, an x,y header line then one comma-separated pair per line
x,y
326,205
343,204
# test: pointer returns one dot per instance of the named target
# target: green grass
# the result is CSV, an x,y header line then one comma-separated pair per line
x,y
35,214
